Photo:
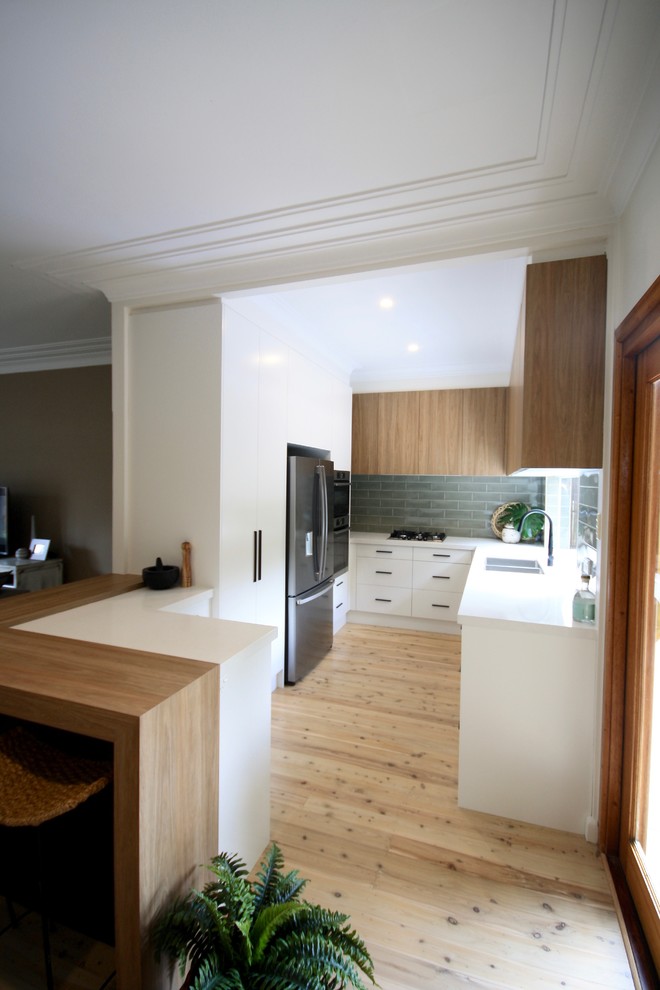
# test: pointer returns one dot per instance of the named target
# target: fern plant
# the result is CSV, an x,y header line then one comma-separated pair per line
x,y
238,934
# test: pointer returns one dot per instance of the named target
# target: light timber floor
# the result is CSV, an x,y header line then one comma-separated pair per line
x,y
364,788
364,783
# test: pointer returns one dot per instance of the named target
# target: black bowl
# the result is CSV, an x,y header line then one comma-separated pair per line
x,y
160,577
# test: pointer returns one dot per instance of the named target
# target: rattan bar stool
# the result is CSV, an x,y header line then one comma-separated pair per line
x,y
39,782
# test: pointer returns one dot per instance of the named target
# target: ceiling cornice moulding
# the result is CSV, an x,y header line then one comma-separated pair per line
x,y
52,357
272,249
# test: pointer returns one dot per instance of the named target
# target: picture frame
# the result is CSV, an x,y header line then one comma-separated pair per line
x,y
39,549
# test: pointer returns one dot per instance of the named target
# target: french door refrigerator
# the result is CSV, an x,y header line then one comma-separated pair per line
x,y
309,564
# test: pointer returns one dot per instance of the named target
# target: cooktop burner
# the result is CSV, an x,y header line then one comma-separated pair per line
x,y
414,534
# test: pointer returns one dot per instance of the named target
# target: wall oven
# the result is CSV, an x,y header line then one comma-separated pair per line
x,y
342,509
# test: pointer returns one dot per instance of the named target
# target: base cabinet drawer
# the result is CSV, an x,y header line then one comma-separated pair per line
x,y
439,577
435,605
384,573
391,601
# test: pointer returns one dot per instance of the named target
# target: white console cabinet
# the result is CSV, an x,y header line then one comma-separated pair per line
x,y
30,575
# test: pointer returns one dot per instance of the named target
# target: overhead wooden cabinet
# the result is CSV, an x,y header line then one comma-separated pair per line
x,y
557,383
440,431
398,433
385,433
452,431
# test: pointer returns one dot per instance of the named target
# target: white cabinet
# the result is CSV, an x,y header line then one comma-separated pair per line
x,y
340,601
253,477
526,747
439,576
409,581
384,579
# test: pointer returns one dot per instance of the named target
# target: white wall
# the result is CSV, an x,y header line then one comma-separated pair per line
x,y
639,240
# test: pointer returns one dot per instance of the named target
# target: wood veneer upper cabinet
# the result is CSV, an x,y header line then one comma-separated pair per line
x,y
483,443
440,431
557,384
364,445
452,431
398,433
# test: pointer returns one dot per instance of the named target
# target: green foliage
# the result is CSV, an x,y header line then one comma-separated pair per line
x,y
238,934
514,513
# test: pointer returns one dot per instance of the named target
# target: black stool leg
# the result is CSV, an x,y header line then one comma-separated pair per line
x,y
13,920
45,936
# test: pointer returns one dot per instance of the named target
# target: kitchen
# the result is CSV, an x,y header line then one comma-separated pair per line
x,y
174,467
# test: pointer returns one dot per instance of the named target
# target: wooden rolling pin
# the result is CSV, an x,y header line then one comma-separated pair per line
x,y
186,572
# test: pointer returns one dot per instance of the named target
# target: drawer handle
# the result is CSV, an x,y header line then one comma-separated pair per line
x,y
383,572
340,605
442,577
442,555
439,606
386,600
384,551
338,584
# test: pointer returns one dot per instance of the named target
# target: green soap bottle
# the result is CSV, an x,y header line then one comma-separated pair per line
x,y
584,602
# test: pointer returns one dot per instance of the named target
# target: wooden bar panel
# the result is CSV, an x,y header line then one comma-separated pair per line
x,y
162,716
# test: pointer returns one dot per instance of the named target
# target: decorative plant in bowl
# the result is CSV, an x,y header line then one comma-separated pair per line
x,y
238,934
512,514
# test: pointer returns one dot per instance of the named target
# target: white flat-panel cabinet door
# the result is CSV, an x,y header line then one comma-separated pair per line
x,y
239,462
271,490
253,477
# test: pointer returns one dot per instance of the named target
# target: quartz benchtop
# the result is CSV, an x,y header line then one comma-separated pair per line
x,y
540,602
154,622
109,646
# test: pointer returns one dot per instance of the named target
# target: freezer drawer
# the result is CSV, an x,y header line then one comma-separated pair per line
x,y
309,630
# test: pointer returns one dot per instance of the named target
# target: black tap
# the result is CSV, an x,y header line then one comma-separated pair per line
x,y
541,512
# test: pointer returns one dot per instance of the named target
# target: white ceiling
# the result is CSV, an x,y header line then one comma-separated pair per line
x,y
164,150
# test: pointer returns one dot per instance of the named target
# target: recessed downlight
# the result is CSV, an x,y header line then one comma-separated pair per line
x,y
413,348
386,302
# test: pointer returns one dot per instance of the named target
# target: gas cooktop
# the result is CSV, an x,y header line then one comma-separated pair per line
x,y
414,534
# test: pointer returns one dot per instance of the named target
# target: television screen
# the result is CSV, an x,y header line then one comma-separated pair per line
x,y
4,522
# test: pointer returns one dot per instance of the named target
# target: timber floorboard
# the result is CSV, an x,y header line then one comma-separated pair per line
x,y
364,805
363,799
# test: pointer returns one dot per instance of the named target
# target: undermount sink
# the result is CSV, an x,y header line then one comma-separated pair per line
x,y
513,565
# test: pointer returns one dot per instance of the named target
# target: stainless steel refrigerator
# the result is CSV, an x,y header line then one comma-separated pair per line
x,y
309,564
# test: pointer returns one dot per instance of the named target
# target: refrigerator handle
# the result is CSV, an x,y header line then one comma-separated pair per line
x,y
323,520
316,594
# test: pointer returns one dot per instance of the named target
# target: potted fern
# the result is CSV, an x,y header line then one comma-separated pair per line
x,y
238,934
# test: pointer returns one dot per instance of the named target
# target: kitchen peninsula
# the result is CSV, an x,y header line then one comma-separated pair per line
x,y
107,659
528,743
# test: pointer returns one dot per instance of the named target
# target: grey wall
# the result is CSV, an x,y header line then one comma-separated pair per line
x,y
56,459
461,506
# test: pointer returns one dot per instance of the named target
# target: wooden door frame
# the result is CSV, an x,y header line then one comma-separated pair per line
x,y
636,332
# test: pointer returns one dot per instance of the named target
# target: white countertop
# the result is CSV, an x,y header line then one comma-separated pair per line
x,y
542,601
152,621
534,601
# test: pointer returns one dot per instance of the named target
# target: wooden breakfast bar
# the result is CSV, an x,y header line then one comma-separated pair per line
x,y
67,662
